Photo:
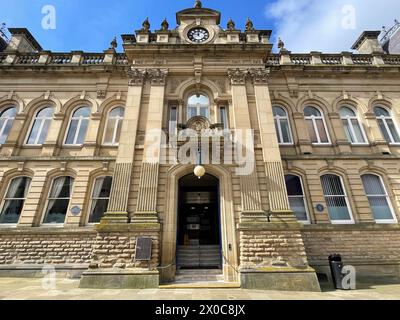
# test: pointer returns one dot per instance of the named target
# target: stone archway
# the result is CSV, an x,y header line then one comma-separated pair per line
x,y
228,230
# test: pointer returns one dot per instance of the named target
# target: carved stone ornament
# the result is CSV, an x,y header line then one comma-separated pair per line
x,y
237,76
136,77
259,76
157,76
198,124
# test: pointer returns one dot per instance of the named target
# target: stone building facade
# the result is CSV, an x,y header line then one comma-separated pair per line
x,y
92,146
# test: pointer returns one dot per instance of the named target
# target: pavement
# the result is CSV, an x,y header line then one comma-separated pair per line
x,y
68,289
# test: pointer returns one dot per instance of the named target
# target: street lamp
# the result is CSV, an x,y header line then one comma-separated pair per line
x,y
199,170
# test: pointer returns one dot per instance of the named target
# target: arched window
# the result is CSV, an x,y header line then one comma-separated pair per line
x,y
58,200
282,125
354,131
114,126
14,200
7,117
297,199
198,106
316,126
100,197
78,126
336,199
387,125
378,198
40,127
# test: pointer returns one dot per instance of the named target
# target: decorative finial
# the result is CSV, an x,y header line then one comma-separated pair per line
x,y
114,43
165,25
396,21
249,25
281,44
198,4
231,25
146,25
384,29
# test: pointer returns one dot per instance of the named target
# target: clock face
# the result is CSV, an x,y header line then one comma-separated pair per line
x,y
198,35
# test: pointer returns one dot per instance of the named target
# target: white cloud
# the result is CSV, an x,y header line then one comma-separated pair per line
x,y
328,25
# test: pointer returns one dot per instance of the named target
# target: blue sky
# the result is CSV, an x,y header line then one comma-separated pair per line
x,y
304,25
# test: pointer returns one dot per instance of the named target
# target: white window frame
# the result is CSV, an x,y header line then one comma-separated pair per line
x,y
7,119
13,225
48,200
279,129
351,221
350,124
384,120
119,120
43,120
308,221
91,199
313,119
80,119
388,200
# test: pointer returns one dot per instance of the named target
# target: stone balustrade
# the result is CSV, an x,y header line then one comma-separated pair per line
x,y
285,58
49,58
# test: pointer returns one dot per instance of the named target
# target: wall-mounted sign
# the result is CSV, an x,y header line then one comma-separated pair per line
x,y
76,210
320,207
143,249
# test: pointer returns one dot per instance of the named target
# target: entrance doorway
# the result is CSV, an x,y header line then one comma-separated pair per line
x,y
199,231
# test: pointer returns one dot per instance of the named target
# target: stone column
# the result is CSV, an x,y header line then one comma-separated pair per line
x,y
118,206
302,133
252,210
92,140
11,146
146,210
378,142
50,147
342,142
278,198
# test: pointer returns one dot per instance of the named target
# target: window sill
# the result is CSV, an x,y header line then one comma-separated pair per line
x,y
8,226
321,144
342,222
386,222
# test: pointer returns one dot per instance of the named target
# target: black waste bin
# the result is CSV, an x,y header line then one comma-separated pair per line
x,y
336,264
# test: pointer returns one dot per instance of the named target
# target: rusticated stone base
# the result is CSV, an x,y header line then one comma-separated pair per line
x,y
119,279
282,279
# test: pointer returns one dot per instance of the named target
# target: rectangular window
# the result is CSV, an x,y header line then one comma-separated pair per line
x,y
297,199
14,200
100,198
58,200
173,120
378,199
223,116
336,199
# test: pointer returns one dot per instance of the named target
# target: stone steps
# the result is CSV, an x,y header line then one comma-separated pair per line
x,y
199,256
199,276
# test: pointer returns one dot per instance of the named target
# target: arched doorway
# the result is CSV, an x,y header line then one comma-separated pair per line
x,y
199,223
229,246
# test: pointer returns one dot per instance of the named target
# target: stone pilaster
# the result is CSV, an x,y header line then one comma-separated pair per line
x,y
278,199
12,145
118,205
146,210
378,142
344,146
252,210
